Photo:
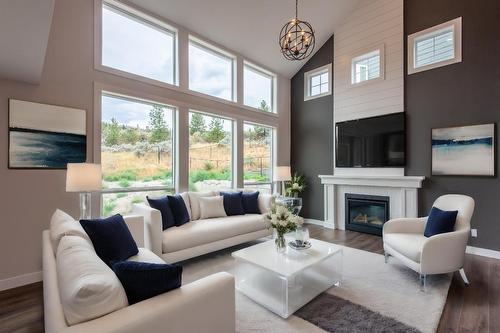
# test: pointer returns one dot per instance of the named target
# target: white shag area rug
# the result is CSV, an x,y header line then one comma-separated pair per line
x,y
389,289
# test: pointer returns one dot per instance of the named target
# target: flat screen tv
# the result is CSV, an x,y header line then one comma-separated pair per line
x,y
376,142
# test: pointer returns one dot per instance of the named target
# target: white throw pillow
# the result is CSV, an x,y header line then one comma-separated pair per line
x,y
211,207
88,288
195,203
62,224
185,197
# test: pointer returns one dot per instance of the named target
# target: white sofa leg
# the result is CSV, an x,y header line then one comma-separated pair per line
x,y
464,277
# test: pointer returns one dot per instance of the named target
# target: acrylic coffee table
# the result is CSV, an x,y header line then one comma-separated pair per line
x,y
284,282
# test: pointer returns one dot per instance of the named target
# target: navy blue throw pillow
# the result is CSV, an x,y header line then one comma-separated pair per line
x,y
440,221
163,205
233,204
179,210
111,238
250,202
143,280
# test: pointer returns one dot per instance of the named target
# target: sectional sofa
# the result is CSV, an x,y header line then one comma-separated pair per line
x,y
198,237
82,294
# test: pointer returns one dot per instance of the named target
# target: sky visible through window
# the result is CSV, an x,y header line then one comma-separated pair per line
x,y
258,88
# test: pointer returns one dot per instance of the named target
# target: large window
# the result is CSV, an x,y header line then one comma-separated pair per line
x,y
317,82
137,44
435,47
367,66
258,88
211,71
137,154
210,152
258,157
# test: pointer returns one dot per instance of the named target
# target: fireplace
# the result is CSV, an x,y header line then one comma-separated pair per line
x,y
366,213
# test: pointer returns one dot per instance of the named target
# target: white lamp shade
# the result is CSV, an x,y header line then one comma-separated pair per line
x,y
83,177
282,174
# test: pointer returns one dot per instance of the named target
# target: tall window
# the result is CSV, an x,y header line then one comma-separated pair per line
x,y
317,83
367,66
211,71
137,154
137,44
258,157
258,88
210,152
435,47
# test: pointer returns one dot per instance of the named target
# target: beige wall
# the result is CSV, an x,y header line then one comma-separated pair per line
x,y
29,197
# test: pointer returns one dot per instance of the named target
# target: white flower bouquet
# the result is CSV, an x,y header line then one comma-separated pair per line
x,y
283,221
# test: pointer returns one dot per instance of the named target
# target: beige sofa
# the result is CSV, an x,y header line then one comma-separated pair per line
x,y
190,308
198,237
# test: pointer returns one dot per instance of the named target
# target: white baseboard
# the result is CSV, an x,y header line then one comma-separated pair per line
x,y
314,221
483,252
20,280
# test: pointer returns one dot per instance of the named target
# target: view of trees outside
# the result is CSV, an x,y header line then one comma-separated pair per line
x,y
210,152
136,150
258,157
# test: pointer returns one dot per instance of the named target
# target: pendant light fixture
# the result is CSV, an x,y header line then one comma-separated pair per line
x,y
296,38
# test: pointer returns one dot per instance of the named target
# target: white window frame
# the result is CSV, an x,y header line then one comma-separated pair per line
x,y
174,187
365,53
146,19
273,154
456,27
310,74
259,70
219,53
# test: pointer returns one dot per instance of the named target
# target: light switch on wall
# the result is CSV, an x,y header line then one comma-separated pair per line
x,y
473,232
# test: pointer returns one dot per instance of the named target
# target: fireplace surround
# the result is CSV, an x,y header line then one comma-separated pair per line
x,y
366,213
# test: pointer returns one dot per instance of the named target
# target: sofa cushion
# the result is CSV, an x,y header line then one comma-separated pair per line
x,y
62,224
211,207
142,280
440,221
111,238
195,204
163,205
201,232
233,204
265,202
179,209
145,255
250,202
185,197
88,288
409,245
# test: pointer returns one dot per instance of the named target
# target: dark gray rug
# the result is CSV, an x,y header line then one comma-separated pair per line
x,y
337,315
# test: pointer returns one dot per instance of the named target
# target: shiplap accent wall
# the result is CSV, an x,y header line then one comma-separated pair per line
x,y
373,23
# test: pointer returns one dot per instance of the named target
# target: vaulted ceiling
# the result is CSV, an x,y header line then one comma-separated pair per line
x,y
251,27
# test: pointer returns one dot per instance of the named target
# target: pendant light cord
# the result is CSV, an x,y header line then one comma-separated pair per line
x,y
296,9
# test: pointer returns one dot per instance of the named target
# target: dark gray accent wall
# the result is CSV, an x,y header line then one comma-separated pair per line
x,y
312,134
460,94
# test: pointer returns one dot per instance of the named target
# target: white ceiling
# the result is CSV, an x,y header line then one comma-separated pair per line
x,y
24,34
251,27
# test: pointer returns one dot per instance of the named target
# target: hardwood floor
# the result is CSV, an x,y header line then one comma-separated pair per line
x,y
474,308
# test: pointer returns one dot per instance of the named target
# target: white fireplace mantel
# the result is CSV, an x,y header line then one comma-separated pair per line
x,y
401,190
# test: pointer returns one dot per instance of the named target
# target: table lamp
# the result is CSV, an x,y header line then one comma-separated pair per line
x,y
84,178
282,175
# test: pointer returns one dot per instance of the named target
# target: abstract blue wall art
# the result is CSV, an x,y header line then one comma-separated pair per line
x,y
43,136
464,151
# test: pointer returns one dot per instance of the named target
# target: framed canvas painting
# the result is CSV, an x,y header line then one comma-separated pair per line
x,y
464,151
43,136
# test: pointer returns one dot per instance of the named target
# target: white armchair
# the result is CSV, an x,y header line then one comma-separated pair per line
x,y
443,253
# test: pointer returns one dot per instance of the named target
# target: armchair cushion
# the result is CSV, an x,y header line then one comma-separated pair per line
x,y
409,245
111,238
440,221
143,280
162,204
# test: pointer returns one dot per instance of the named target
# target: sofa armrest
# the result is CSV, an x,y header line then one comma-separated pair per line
x,y
444,253
206,305
136,225
405,225
153,227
